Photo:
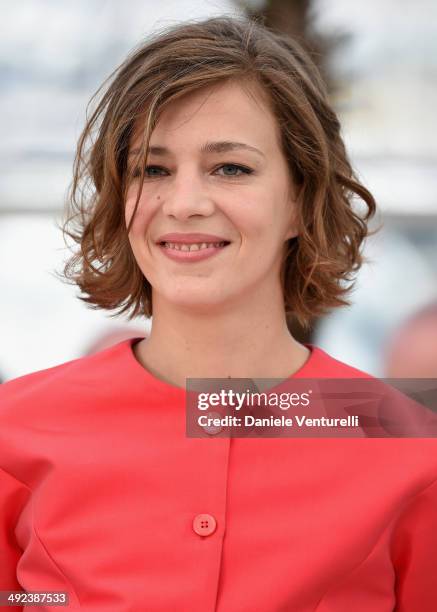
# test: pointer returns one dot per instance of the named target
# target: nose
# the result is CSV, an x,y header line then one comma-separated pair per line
x,y
186,197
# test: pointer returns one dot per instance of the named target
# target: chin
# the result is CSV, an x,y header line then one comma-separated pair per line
x,y
199,306
201,302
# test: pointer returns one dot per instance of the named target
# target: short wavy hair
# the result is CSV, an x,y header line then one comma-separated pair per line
x,y
318,264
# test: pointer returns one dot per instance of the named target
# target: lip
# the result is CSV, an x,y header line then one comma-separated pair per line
x,y
191,256
190,238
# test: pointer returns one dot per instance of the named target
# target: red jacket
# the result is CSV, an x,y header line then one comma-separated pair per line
x,y
105,497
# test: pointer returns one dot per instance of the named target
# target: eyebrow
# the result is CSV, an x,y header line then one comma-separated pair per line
x,y
222,146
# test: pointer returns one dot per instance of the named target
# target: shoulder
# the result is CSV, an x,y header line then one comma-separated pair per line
x,y
398,430
63,382
322,364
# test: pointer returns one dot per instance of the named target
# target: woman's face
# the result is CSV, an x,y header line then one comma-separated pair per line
x,y
237,194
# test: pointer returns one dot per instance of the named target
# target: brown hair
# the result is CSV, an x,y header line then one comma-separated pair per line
x,y
318,264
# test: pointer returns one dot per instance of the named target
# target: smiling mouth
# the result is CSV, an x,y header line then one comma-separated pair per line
x,y
195,246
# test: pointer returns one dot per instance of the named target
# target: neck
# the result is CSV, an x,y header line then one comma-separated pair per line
x,y
252,341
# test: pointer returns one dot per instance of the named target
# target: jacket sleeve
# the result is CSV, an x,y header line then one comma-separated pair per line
x,y
12,496
415,553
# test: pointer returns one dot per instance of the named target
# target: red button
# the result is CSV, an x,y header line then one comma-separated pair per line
x,y
213,429
204,524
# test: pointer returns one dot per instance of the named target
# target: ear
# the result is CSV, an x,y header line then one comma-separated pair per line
x,y
292,225
292,230
291,234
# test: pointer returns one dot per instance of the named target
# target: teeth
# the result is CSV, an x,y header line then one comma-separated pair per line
x,y
192,247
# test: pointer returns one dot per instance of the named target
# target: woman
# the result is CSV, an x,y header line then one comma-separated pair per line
x,y
222,204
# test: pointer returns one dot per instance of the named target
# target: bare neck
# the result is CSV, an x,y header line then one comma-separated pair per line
x,y
243,343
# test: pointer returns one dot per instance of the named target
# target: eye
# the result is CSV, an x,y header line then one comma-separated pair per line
x,y
154,171
242,169
137,172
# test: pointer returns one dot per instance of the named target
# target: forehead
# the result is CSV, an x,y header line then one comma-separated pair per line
x,y
226,111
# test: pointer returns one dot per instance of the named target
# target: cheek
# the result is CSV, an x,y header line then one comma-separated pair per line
x,y
142,219
128,210
247,214
254,223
